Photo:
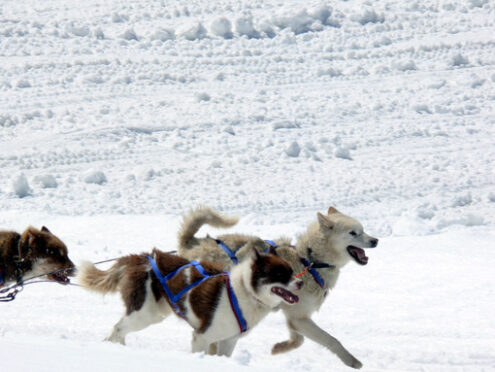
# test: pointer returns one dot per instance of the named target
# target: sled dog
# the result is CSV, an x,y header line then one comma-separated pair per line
x,y
328,244
219,306
32,253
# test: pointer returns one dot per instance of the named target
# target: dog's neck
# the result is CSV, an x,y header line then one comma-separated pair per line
x,y
312,239
13,265
251,305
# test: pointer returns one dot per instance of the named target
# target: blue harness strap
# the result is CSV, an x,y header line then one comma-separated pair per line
x,y
234,304
272,245
175,298
228,251
316,276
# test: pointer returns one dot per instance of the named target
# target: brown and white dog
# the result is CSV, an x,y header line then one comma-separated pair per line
x,y
34,252
259,284
326,246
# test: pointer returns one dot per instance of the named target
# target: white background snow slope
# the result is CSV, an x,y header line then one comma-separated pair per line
x,y
117,117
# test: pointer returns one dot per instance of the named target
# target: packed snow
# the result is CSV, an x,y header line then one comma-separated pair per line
x,y
118,117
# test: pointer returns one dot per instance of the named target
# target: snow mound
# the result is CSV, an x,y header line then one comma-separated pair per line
x,y
20,186
77,30
192,31
367,15
298,23
202,97
244,27
23,84
163,34
342,152
321,13
221,27
129,35
459,60
46,181
95,177
293,150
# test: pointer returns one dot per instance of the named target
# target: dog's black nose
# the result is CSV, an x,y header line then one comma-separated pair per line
x,y
373,243
299,284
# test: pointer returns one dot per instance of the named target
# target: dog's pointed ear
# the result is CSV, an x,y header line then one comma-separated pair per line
x,y
324,221
30,237
332,210
272,250
256,255
45,229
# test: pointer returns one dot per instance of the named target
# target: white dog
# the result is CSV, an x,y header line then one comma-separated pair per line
x,y
328,244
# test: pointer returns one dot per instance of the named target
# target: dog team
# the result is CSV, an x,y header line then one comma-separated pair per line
x,y
222,287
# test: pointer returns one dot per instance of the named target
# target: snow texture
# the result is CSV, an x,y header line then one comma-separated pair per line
x,y
118,117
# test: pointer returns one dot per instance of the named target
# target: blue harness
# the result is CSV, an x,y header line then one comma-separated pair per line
x,y
316,276
312,266
175,298
232,255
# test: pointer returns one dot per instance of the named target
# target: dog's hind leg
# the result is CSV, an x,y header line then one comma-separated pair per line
x,y
308,328
133,322
136,319
295,340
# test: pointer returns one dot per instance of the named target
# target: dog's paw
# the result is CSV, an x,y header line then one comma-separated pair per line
x,y
353,362
286,346
281,347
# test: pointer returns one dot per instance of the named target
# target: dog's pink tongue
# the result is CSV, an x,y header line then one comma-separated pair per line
x,y
362,256
286,295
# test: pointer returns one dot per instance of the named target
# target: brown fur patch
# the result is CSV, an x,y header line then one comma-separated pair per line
x,y
168,263
133,282
31,246
204,300
270,269
8,252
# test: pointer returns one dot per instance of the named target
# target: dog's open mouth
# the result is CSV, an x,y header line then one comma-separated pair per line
x,y
358,254
288,296
60,277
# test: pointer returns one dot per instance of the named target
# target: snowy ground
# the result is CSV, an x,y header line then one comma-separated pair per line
x,y
117,117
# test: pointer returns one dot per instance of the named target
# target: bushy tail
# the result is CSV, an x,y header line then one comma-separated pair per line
x,y
198,217
103,281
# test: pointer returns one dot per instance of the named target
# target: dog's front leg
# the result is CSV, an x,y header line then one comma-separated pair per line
x,y
295,340
226,347
308,328
199,343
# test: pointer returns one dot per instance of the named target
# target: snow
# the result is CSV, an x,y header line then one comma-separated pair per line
x,y
116,118
20,186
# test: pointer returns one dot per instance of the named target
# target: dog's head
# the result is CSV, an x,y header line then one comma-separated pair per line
x,y
47,254
346,236
272,279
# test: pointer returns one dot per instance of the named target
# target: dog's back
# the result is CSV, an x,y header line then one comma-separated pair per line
x,y
210,249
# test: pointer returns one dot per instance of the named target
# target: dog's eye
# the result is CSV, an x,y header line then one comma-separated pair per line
x,y
353,233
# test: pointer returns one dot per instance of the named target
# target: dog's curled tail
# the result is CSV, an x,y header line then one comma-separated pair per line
x,y
198,217
103,281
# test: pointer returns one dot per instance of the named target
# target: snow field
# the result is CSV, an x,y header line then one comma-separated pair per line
x,y
116,118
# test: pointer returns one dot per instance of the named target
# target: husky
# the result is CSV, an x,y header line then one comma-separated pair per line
x,y
328,244
219,306
32,253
